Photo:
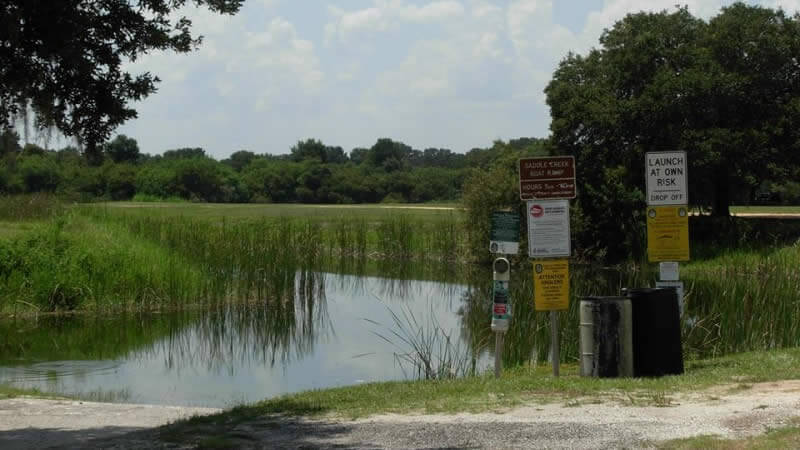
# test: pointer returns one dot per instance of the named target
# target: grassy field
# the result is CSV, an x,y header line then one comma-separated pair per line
x,y
766,209
153,256
217,211
150,256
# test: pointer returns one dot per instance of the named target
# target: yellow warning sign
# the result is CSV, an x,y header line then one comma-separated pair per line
x,y
551,284
667,233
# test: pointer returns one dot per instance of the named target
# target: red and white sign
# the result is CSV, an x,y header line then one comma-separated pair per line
x,y
500,308
548,229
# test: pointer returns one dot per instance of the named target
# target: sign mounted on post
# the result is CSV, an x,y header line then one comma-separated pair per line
x,y
548,229
666,178
548,178
551,285
504,236
667,233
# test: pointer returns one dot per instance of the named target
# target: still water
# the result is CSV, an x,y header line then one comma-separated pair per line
x,y
334,330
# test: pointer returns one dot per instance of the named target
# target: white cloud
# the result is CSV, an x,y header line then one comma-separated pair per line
x,y
449,73
790,6
273,61
487,46
481,9
431,12
385,14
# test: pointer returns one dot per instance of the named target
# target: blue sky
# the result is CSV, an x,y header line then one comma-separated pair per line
x,y
456,74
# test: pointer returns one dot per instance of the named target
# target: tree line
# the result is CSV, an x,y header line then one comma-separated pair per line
x,y
312,172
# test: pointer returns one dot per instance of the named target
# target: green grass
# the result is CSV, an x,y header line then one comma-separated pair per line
x,y
29,207
782,437
517,386
766,209
218,211
744,300
71,262
10,230
12,392
20,213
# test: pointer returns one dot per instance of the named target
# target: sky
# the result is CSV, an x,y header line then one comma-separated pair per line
x,y
454,74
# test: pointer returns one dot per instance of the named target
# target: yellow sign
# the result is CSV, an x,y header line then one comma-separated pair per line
x,y
667,233
551,284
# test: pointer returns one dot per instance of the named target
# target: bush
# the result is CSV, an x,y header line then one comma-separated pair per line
x,y
486,191
39,173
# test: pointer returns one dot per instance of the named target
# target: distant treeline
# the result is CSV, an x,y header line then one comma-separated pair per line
x,y
312,172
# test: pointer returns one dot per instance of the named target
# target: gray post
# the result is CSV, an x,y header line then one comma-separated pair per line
x,y
498,354
554,351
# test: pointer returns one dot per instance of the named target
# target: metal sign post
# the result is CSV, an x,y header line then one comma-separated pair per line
x,y
555,348
668,216
548,184
551,293
501,308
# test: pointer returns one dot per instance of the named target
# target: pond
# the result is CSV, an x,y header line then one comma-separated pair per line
x,y
334,330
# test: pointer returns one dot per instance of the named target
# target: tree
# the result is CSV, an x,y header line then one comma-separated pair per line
x,y
64,60
335,155
9,142
184,153
123,149
359,155
725,91
388,154
309,149
239,160
39,173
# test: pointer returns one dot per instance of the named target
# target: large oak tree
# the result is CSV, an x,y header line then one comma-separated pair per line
x,y
63,59
727,91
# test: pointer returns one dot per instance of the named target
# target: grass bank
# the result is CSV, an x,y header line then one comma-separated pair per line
x,y
12,392
520,385
782,437
69,263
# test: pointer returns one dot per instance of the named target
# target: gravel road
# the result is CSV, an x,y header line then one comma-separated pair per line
x,y
728,411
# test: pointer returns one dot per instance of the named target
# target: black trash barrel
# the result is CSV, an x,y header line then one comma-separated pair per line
x,y
605,337
657,346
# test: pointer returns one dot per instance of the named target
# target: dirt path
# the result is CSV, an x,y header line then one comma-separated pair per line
x,y
732,411
27,423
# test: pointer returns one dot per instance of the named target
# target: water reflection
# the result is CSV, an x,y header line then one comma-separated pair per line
x,y
302,330
320,331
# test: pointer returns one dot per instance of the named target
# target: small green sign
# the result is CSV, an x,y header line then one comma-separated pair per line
x,y
504,236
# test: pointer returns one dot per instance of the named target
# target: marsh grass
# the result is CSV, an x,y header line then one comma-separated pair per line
x,y
425,350
744,301
70,262
29,207
105,258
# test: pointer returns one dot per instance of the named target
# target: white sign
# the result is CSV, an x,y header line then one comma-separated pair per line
x,y
548,229
669,271
666,178
504,248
